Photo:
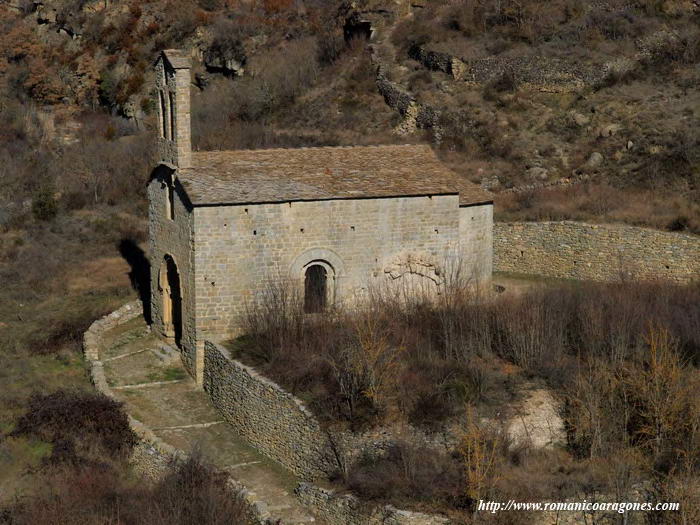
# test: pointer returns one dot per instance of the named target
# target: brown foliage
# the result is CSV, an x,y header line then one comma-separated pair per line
x,y
71,420
408,472
191,492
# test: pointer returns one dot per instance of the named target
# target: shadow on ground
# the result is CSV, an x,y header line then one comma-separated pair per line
x,y
140,274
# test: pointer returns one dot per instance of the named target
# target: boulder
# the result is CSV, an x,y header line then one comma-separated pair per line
x,y
595,160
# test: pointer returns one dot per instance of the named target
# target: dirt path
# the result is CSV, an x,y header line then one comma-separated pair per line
x,y
149,378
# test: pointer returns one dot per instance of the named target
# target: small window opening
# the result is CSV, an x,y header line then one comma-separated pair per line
x,y
172,116
170,202
315,289
166,117
163,114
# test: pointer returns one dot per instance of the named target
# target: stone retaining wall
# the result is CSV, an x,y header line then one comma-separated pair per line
x,y
597,252
551,74
272,420
343,509
415,115
531,72
279,426
151,457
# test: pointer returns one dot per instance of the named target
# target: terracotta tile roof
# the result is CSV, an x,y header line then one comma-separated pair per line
x,y
281,175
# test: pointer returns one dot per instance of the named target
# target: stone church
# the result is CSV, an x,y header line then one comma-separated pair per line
x,y
331,221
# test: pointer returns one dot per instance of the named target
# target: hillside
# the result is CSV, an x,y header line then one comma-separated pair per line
x,y
564,109
513,94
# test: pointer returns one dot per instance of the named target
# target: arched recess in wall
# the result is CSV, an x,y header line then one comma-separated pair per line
x,y
169,285
320,271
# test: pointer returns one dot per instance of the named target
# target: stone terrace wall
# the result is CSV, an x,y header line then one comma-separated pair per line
x,y
343,509
151,457
598,252
533,72
278,425
274,421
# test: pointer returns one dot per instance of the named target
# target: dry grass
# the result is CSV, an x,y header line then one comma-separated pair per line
x,y
600,202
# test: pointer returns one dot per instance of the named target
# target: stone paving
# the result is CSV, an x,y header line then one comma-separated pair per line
x,y
149,378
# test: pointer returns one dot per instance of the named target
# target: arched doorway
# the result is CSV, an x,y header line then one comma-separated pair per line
x,y
172,300
315,289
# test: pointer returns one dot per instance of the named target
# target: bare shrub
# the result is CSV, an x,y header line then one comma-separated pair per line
x,y
646,403
407,472
74,420
393,359
666,416
273,320
371,361
44,205
227,40
191,492
531,331
506,82
468,17
481,450
276,79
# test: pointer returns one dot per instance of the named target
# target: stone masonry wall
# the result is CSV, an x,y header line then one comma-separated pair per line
x,y
275,422
173,141
598,252
278,425
174,238
151,457
241,248
476,239
343,509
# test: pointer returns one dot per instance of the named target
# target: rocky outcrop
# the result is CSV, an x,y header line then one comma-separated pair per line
x,y
551,74
229,62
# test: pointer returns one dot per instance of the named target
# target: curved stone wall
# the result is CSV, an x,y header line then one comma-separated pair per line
x,y
151,457
596,252
273,420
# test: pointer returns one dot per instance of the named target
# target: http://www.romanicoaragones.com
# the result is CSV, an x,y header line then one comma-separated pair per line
x,y
578,506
